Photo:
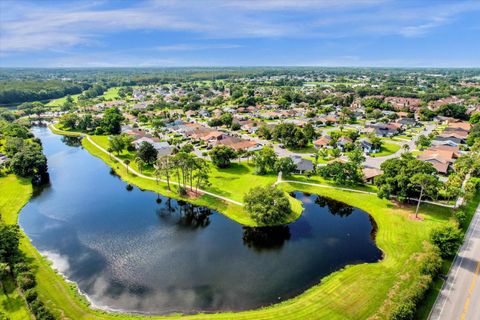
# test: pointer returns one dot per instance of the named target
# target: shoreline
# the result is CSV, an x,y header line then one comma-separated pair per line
x,y
363,281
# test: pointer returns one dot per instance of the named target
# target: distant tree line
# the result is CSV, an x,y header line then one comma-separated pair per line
x,y
27,91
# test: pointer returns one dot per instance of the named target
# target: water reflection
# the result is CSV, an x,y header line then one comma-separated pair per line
x,y
335,207
72,141
183,214
265,238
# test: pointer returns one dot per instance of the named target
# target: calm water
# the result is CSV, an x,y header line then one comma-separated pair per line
x,y
138,252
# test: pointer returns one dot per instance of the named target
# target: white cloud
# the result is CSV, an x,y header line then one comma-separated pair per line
x,y
195,47
34,26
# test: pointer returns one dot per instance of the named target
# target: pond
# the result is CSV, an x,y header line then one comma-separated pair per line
x,y
137,251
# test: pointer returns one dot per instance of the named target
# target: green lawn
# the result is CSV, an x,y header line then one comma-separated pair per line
x,y
111,93
308,149
231,182
365,285
57,130
387,149
355,292
14,194
60,101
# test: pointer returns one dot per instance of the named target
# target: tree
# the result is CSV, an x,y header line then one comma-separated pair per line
x,y
222,155
427,184
264,132
475,118
140,163
397,175
9,240
267,205
345,173
112,121
116,143
29,161
264,160
423,142
356,156
447,238
69,121
453,110
147,152
164,167
226,119
375,141
290,135
285,165
309,132
336,152
127,162
202,170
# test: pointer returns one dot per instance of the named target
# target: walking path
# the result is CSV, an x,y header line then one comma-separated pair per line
x,y
155,179
279,179
460,294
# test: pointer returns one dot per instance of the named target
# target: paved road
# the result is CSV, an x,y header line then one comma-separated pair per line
x,y
376,162
460,295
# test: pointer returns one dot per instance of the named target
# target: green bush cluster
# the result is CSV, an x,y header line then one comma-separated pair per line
x,y
26,282
404,302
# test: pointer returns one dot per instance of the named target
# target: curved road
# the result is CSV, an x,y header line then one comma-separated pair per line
x,y
460,294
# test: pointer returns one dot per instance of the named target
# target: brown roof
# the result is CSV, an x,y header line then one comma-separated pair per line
x,y
369,173
323,141
460,125
237,143
455,134
440,159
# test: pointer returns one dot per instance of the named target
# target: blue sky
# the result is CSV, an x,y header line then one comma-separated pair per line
x,y
379,33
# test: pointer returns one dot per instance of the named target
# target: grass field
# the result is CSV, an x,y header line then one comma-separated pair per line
x,y
387,149
60,101
355,292
14,194
111,93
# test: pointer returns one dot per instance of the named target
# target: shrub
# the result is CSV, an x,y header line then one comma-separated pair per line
x,y
404,311
461,217
31,295
447,239
26,280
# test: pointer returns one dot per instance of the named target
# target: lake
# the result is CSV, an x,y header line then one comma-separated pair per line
x,y
137,251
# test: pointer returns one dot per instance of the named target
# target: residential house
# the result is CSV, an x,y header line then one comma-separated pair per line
x,y
343,142
369,174
302,165
441,158
322,142
367,147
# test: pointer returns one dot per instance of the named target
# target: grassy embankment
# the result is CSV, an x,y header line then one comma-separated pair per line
x,y
14,193
232,183
355,292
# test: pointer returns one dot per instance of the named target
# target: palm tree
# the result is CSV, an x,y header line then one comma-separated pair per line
x,y
127,162
140,163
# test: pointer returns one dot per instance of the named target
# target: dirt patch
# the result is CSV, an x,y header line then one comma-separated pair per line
x,y
412,217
